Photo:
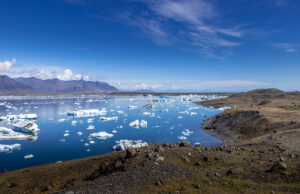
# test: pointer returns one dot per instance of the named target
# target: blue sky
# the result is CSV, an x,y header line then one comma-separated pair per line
x,y
194,45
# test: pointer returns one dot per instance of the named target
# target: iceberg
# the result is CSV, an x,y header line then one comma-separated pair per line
x,y
149,106
182,138
132,107
87,113
90,127
125,144
143,123
28,156
21,116
101,135
187,132
9,148
135,124
9,134
108,118
25,126
90,120
74,123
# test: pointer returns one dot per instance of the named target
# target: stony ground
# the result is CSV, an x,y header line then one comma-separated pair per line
x,y
261,155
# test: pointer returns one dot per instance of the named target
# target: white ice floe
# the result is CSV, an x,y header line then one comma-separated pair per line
x,y
79,133
125,144
25,126
87,113
166,110
90,127
61,120
66,134
21,116
114,131
143,123
92,142
90,120
182,137
9,134
135,124
179,117
184,112
108,118
28,156
9,148
74,122
86,144
120,112
224,108
187,132
193,113
101,135
132,107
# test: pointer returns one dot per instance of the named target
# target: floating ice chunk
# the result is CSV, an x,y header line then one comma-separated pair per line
x,y
74,122
132,107
224,108
102,135
135,124
179,117
120,112
79,133
22,116
90,127
125,144
143,123
149,106
184,112
61,120
187,132
90,120
9,134
9,148
25,126
146,113
28,156
166,110
108,118
120,127
86,144
62,140
88,150
66,134
182,138
193,113
114,131
87,113
92,142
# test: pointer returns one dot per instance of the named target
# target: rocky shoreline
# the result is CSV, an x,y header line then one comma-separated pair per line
x,y
260,154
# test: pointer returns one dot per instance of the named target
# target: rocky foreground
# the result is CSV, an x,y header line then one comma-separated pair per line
x,y
260,154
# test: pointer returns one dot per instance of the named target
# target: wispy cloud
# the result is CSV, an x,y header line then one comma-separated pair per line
x,y
194,25
288,47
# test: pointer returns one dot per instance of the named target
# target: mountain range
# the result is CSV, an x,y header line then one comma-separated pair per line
x,y
34,85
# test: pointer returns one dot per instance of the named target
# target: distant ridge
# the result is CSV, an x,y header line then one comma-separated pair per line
x,y
34,85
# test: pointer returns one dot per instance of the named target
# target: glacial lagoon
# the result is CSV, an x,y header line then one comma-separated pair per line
x,y
37,130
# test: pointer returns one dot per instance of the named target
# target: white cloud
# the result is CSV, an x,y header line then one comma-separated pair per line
x,y
193,25
66,75
7,65
288,47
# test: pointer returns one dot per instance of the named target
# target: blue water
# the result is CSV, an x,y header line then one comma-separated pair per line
x,y
48,148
